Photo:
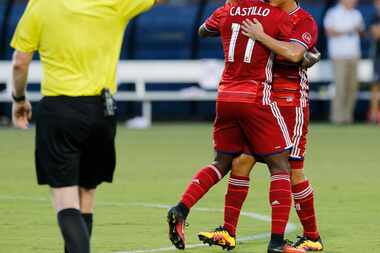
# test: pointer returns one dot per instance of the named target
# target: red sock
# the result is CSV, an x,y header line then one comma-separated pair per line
x,y
200,184
281,200
236,194
303,196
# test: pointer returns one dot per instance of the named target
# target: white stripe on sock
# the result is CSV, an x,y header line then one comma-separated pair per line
x,y
217,172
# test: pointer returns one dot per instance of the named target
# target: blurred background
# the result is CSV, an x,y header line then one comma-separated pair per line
x,y
169,32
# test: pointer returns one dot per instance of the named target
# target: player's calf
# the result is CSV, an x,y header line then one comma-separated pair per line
x,y
200,184
303,195
280,199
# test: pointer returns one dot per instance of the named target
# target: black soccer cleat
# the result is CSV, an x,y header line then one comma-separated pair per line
x,y
176,222
284,247
307,244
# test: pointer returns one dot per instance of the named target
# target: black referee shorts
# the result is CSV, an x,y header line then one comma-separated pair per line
x,y
75,142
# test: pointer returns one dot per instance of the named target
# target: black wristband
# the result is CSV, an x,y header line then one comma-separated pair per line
x,y
18,99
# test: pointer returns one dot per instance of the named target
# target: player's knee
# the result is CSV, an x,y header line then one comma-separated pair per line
x,y
243,165
298,176
280,169
278,163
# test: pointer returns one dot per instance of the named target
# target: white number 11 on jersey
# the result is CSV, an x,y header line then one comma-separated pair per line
x,y
234,37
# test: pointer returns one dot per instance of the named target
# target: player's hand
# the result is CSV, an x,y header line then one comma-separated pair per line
x,y
311,58
21,114
253,29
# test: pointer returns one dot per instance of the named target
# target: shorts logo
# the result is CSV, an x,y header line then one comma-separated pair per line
x,y
307,37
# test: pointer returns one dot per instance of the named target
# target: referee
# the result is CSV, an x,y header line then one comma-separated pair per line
x,y
79,44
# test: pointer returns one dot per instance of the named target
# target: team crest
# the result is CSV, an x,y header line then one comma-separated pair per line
x,y
307,37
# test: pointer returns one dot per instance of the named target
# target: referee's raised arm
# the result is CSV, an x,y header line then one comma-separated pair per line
x,y
79,43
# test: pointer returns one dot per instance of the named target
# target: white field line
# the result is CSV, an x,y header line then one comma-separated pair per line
x,y
193,246
290,228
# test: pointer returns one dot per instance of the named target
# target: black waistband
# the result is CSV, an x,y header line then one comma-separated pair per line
x,y
82,99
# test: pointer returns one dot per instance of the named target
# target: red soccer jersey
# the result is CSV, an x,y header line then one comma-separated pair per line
x,y
248,73
290,83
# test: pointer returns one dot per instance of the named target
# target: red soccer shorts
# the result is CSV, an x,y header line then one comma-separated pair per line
x,y
260,128
297,122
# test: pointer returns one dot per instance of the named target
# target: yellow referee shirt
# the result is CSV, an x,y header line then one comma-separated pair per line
x,y
79,42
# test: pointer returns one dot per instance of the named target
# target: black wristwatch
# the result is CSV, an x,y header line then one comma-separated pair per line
x,y
18,99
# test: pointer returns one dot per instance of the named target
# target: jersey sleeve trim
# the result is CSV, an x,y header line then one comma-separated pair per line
x,y
300,42
297,9
208,29
22,49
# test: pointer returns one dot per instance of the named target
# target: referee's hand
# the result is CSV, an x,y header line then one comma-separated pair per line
x,y
21,114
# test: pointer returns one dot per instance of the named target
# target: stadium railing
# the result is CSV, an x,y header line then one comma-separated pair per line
x,y
204,72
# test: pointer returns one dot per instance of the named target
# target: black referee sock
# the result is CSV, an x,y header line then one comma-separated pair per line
x,y
74,231
88,218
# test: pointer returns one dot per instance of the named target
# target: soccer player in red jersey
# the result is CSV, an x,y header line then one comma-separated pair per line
x,y
246,115
290,91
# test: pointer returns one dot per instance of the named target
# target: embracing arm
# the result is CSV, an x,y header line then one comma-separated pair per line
x,y
292,51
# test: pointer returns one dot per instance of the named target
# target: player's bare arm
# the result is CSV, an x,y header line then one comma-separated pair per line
x,y
292,51
22,109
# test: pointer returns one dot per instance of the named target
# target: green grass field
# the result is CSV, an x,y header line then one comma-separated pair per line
x,y
154,167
